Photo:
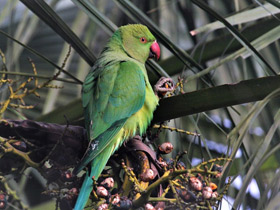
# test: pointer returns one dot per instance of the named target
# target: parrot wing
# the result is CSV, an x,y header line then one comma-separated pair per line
x,y
109,99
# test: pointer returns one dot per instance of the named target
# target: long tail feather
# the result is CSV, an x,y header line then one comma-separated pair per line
x,y
97,166
84,193
107,142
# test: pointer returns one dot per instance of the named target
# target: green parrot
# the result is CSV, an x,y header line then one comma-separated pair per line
x,y
118,99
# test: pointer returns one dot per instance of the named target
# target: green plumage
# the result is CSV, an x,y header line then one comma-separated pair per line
x,y
118,100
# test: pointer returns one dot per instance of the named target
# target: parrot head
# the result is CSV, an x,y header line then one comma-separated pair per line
x,y
139,43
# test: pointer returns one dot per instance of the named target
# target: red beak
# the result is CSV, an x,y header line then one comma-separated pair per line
x,y
154,50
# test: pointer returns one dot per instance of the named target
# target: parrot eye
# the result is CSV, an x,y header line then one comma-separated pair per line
x,y
143,40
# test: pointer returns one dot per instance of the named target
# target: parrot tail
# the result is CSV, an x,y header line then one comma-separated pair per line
x,y
84,193
97,166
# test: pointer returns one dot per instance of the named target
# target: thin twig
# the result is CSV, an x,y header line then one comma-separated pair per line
x,y
175,129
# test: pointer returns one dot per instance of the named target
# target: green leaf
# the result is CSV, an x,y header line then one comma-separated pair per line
x,y
105,23
78,25
46,14
216,47
257,162
265,65
264,40
276,3
272,187
23,74
239,18
9,5
260,43
274,203
41,56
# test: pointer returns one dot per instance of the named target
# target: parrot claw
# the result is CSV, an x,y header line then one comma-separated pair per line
x,y
164,85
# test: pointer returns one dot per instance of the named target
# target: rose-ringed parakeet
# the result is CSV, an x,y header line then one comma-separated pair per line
x,y
118,99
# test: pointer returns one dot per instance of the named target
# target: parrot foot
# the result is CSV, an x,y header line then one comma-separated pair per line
x,y
164,85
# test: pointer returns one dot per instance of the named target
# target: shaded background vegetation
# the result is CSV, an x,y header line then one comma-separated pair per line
x,y
247,132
